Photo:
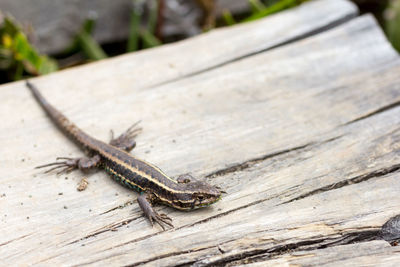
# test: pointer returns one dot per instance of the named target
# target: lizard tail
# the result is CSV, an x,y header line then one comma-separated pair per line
x,y
60,120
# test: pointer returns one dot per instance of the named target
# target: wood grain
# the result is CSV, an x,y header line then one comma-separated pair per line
x,y
304,137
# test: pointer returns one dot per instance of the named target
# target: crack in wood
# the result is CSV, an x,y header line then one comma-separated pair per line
x,y
15,239
261,254
128,203
111,227
293,39
354,180
224,213
46,259
217,247
375,112
172,254
355,237
249,163
138,239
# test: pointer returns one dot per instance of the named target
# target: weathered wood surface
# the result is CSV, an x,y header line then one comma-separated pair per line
x,y
304,137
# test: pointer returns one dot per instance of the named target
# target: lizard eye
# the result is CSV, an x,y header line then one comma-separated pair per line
x,y
200,197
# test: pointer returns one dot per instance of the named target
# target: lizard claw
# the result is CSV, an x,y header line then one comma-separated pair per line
x,y
165,217
66,166
162,219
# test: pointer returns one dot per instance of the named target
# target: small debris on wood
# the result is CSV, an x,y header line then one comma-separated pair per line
x,y
82,185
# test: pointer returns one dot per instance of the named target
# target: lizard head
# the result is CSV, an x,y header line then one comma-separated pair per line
x,y
195,194
203,194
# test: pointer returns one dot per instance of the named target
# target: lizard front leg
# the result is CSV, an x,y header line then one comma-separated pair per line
x,y
70,164
126,141
162,219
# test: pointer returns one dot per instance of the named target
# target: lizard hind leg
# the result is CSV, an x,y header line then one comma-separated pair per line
x,y
69,164
126,141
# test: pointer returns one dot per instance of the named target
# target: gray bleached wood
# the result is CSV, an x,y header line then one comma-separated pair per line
x,y
304,138
361,254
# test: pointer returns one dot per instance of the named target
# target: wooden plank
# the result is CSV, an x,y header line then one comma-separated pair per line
x,y
304,138
374,253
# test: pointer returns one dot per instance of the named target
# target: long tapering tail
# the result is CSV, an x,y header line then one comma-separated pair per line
x,y
66,126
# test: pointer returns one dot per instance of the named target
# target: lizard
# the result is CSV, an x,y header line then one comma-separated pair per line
x,y
154,186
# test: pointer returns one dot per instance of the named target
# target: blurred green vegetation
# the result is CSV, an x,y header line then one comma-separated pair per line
x,y
261,9
85,43
146,33
17,56
392,23
19,59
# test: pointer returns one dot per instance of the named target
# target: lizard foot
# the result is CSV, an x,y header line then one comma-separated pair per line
x,y
126,140
162,219
69,164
